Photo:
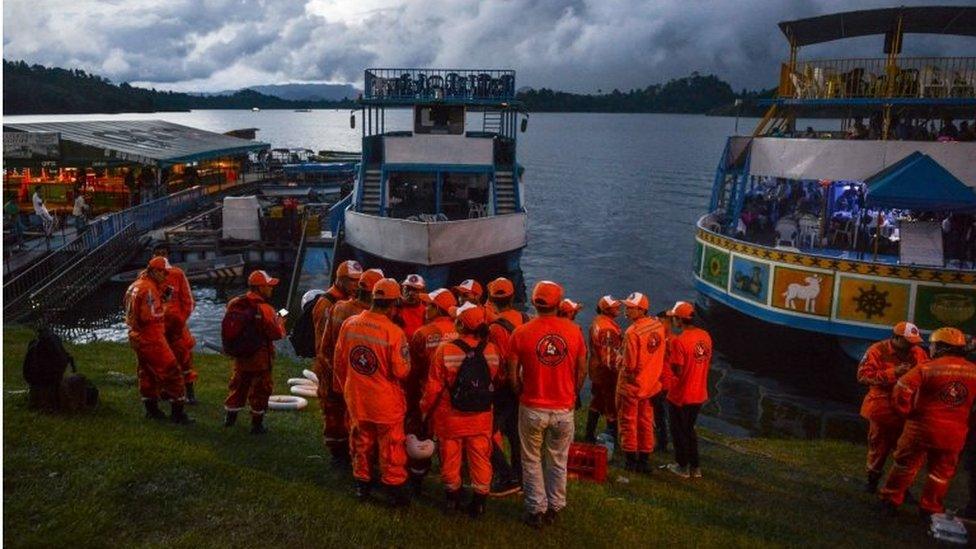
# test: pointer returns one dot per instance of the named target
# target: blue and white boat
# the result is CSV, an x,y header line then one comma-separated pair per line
x,y
440,194
846,232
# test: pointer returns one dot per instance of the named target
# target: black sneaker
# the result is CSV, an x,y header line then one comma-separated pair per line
x,y
533,520
363,489
452,501
230,418
889,509
152,410
477,506
504,487
551,516
871,486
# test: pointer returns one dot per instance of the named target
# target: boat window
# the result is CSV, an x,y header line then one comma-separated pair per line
x,y
465,195
439,119
412,194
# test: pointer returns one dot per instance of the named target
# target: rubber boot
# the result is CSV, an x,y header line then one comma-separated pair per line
x,y
399,495
416,484
477,506
871,486
257,424
191,396
178,416
452,500
643,465
592,418
631,461
230,418
363,489
152,410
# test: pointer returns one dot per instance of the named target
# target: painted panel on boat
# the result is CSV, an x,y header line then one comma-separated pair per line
x,y
871,300
698,257
937,306
803,291
750,279
715,269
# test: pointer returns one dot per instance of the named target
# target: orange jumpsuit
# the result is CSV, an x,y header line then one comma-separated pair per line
x,y
880,368
320,316
371,360
605,340
936,397
335,428
179,306
159,373
251,382
411,317
422,346
459,433
639,380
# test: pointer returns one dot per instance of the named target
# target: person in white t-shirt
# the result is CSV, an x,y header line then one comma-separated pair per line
x,y
47,220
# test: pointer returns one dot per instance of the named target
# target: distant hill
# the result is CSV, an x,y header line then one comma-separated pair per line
x,y
309,92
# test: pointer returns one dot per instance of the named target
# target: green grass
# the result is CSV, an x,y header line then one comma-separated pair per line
x,y
112,477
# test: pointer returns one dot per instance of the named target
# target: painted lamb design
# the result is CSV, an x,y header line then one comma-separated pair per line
x,y
807,292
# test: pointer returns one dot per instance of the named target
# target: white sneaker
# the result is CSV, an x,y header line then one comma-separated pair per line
x,y
696,472
678,470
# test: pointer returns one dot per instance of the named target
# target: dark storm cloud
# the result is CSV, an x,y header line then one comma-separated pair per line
x,y
583,45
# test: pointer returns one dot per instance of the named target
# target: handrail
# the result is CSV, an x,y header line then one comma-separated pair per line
x,y
915,77
296,270
458,85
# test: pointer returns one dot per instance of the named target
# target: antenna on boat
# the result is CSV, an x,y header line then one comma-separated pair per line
x,y
738,111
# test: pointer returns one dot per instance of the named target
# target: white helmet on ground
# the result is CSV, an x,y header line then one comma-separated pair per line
x,y
310,295
419,449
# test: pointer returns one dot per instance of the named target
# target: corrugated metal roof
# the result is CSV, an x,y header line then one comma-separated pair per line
x,y
145,141
951,20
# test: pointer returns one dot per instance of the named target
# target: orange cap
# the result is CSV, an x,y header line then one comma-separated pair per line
x,y
159,262
908,331
682,309
607,303
369,278
949,336
415,281
547,294
471,316
501,287
470,288
386,288
261,278
638,300
440,298
349,269
568,306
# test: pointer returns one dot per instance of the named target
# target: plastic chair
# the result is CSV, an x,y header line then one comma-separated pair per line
x,y
809,231
786,232
476,209
845,230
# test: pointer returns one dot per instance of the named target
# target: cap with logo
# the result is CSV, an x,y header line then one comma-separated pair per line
x,y
637,300
470,288
386,288
261,278
547,294
369,278
349,269
567,306
682,309
159,262
607,303
501,287
440,298
471,316
908,331
415,281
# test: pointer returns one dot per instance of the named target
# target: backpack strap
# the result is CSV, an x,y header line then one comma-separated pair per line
x,y
463,345
504,323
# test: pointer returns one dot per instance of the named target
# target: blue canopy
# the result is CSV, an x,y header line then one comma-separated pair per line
x,y
919,183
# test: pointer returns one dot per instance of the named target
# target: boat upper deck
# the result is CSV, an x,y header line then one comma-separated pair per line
x,y
476,87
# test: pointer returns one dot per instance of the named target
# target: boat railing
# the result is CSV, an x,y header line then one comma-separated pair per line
x,y
449,85
872,78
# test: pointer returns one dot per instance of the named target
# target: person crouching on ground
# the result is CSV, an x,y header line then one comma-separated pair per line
x,y
686,377
458,399
371,360
258,327
880,368
936,397
639,380
159,373
546,366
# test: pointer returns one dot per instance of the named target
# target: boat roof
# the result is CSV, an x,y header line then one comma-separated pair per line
x,y
949,20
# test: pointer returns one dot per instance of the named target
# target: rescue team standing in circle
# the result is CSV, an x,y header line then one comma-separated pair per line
x,y
405,372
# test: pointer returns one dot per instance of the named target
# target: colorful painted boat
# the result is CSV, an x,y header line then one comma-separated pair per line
x,y
862,257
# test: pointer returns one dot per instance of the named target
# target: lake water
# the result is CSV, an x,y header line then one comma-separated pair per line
x,y
612,201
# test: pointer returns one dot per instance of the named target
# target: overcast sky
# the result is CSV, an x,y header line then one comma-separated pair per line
x,y
579,45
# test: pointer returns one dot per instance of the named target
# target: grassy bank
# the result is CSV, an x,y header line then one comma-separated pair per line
x,y
111,477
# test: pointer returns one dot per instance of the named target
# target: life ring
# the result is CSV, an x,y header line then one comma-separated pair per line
x,y
309,374
301,381
304,390
286,402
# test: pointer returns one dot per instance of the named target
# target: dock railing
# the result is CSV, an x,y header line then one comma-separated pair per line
x,y
452,85
867,78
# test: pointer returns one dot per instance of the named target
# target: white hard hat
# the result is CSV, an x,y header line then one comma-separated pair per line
x,y
419,449
310,295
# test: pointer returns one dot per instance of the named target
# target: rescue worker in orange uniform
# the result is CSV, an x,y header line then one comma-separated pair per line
x,y
882,365
335,430
606,338
371,361
179,304
438,329
251,382
410,313
158,371
462,432
568,309
503,320
469,290
936,398
638,381
685,376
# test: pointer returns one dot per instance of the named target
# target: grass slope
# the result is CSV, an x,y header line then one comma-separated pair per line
x,y
111,477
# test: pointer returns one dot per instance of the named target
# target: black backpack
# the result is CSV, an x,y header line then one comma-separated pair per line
x,y
240,334
46,359
473,389
302,336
